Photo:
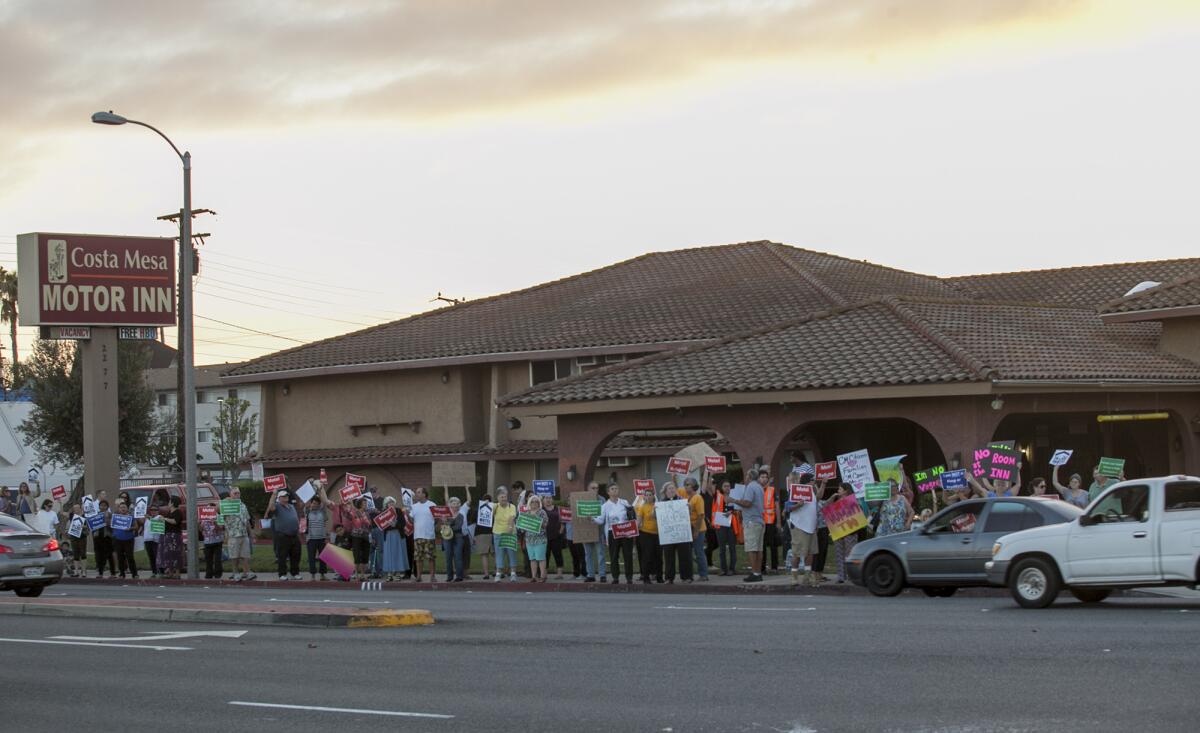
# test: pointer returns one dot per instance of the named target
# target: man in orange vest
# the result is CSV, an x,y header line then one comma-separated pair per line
x,y
725,522
771,528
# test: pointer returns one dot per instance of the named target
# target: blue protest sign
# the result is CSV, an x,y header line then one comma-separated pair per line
x,y
954,480
122,521
95,522
543,488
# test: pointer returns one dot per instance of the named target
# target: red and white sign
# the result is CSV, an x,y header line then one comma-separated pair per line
x,y
679,466
800,492
350,493
206,511
715,464
625,529
440,512
643,486
826,471
566,515
91,280
58,493
353,479
278,482
386,518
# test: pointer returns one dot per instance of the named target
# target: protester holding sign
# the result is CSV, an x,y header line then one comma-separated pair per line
x,y
124,531
675,552
698,516
615,511
170,546
723,520
316,523
594,552
555,536
358,526
751,507
395,551
1101,481
844,544
424,531
452,542
213,536
1073,492
77,531
285,528
801,514
504,535
102,543
648,550
482,541
535,540
237,534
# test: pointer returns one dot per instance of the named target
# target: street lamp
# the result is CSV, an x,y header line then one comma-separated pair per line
x,y
186,354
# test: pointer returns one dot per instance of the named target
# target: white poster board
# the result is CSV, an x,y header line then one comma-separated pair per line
x,y
484,518
256,471
674,522
856,469
722,519
139,507
453,473
306,492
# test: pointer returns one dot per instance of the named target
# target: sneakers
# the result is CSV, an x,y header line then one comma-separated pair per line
x,y
282,578
497,578
752,578
235,576
589,579
249,576
795,578
513,577
295,577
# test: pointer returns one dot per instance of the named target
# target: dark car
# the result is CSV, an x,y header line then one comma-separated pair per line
x,y
29,558
950,550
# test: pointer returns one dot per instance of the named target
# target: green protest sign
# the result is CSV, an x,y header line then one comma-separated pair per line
x,y
508,541
529,522
1113,467
878,491
588,508
158,526
230,507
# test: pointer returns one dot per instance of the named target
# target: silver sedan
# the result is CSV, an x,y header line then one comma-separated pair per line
x,y
29,559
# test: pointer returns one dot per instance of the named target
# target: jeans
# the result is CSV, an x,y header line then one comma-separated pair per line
x,y
453,550
501,554
375,563
212,560
727,544
619,547
287,553
314,551
699,554
593,559
125,556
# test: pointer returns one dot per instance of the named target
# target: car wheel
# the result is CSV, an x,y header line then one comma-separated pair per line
x,y
940,591
1034,583
28,591
1091,595
884,576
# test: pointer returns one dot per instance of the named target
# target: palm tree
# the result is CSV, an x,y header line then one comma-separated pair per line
x,y
8,314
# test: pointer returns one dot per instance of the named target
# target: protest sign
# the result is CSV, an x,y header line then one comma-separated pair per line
x,y
714,464
1112,467
256,471
277,482
358,482
625,529
507,541
855,469
76,528
265,523
1060,457
643,487
587,507
230,507
928,479
206,511
1003,465
800,492
543,487
722,519
386,518
339,559
306,492
963,524
95,522
890,468
440,512
58,493
349,493
954,480
877,491
679,466
453,473
122,522
565,514
484,515
529,522
140,506
827,471
739,492
90,506
674,522
844,516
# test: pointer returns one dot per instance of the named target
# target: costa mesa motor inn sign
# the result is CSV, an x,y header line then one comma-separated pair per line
x,y
94,280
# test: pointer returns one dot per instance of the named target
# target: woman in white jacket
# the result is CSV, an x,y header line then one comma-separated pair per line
x,y
615,511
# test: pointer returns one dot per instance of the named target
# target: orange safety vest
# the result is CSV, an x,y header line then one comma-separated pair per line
x,y
769,506
719,507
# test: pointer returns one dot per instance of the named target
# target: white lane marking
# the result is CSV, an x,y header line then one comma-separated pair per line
x,y
92,643
355,711
158,636
727,608
348,602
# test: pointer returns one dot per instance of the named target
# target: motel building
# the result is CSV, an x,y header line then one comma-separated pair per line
x,y
759,350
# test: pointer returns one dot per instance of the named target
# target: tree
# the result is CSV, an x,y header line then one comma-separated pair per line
x,y
234,434
54,429
8,314
162,449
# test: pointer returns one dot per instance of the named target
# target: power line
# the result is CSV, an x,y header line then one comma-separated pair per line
x,y
298,300
282,310
272,265
236,346
251,330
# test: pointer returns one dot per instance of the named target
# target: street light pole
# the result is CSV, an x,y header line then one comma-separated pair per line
x,y
186,353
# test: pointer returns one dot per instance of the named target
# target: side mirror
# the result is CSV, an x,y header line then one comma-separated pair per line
x,y
1085,520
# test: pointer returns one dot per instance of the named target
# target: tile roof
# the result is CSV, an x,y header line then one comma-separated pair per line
x,y
684,295
890,341
1179,293
1085,287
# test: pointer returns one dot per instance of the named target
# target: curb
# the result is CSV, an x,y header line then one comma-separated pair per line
x,y
261,616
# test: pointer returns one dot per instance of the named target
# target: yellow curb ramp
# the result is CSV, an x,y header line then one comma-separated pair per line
x,y
264,615
382,617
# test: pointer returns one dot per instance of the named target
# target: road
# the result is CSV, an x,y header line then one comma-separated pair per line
x,y
618,662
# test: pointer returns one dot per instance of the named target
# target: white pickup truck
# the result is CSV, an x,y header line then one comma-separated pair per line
x,y
1139,533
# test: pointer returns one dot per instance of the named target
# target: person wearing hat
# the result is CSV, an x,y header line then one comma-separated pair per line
x,y
285,527
1073,492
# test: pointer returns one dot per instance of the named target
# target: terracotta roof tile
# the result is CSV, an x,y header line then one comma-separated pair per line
x,y
1085,287
1179,293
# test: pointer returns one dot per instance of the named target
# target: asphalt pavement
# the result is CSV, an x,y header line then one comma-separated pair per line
x,y
629,662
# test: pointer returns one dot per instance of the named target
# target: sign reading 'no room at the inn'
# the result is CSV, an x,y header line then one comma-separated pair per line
x,y
93,280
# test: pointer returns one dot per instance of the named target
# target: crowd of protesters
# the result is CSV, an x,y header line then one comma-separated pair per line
x,y
776,534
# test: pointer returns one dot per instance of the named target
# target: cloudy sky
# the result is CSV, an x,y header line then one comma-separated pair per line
x,y
365,156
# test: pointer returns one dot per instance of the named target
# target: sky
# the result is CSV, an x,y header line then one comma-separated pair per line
x,y
365,157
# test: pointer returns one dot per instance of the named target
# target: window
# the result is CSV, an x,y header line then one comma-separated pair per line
x,y
162,399
959,519
201,397
1009,516
546,470
203,436
1182,496
541,372
1126,504
233,394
